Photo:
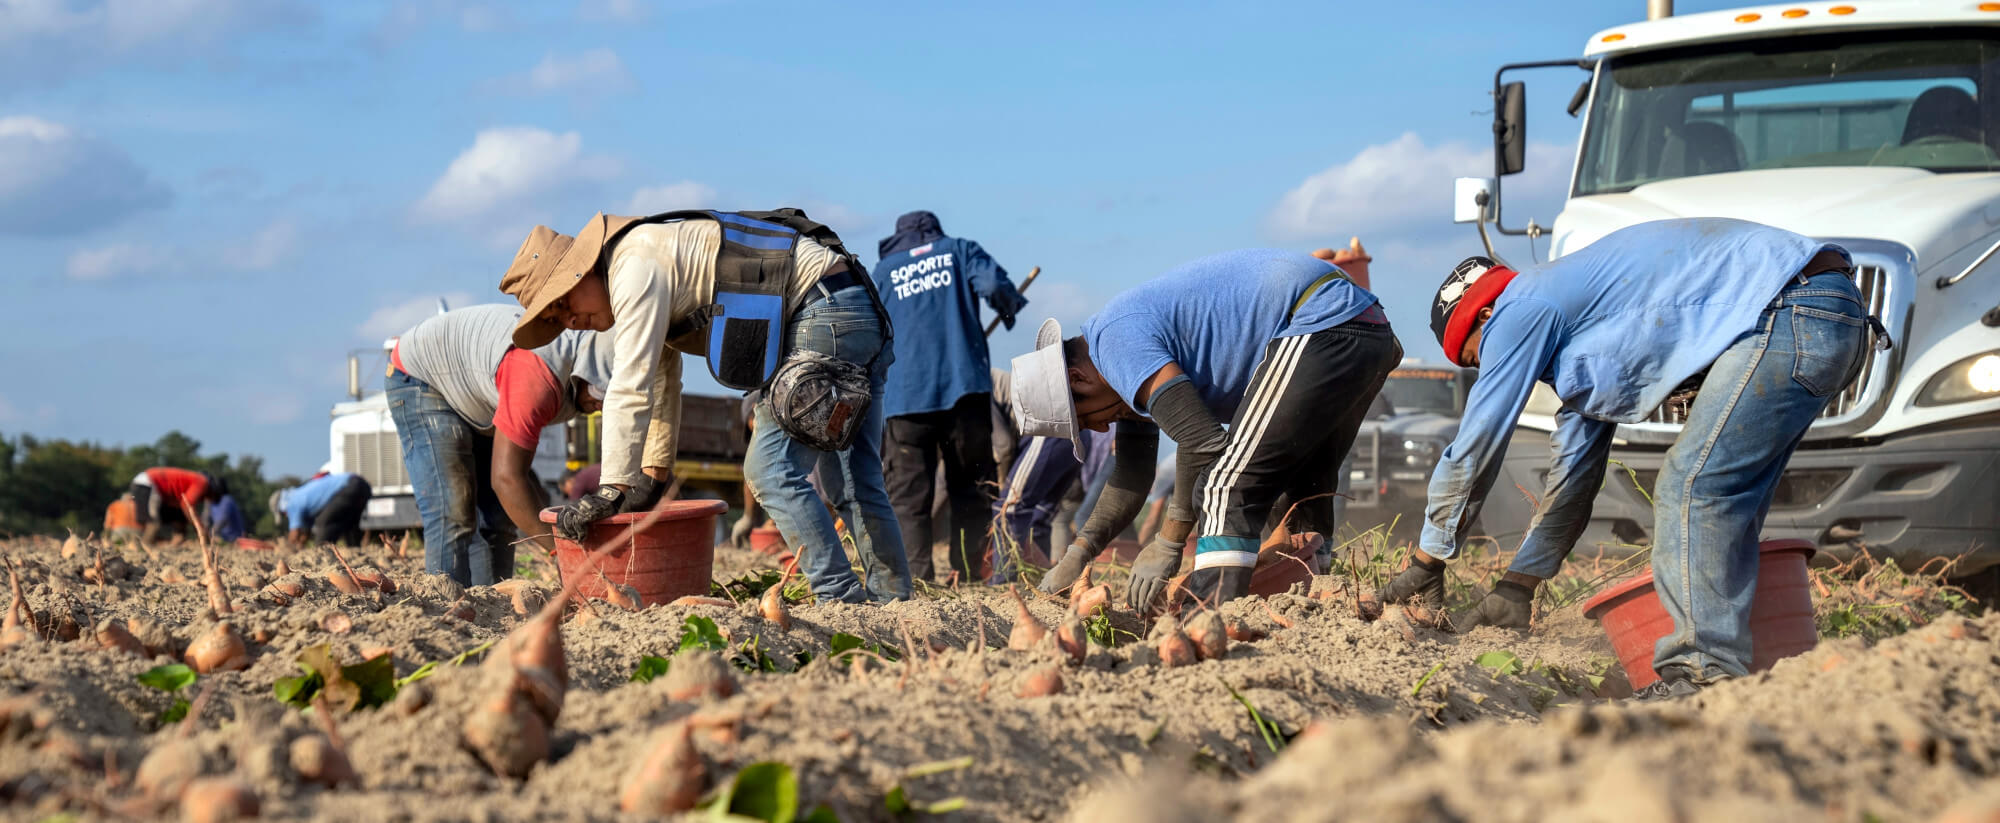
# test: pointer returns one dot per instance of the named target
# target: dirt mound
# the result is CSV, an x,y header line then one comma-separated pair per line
x,y
1900,731
925,713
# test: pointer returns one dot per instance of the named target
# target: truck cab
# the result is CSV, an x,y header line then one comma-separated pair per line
x,y
1872,124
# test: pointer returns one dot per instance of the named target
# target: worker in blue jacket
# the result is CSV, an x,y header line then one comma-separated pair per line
x,y
937,399
1766,323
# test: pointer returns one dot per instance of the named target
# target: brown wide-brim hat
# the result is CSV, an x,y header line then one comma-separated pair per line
x,y
550,264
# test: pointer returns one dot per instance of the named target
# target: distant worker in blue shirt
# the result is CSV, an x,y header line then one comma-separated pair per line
x,y
1283,345
327,507
225,519
1765,325
938,398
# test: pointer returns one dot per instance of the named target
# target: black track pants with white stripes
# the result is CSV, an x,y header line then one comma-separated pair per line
x,y
1291,433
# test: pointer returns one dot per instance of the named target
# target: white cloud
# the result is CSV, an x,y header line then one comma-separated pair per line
x,y
56,180
46,41
613,11
591,74
262,251
119,260
686,194
396,318
267,248
505,169
405,19
1402,184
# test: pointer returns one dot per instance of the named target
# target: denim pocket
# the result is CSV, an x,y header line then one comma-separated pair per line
x,y
1826,349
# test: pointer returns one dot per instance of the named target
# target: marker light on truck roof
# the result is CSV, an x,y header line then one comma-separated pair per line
x,y
1613,37
1749,18
1793,13
1841,10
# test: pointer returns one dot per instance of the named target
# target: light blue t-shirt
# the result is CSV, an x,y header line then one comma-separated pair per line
x,y
1214,317
1614,328
305,502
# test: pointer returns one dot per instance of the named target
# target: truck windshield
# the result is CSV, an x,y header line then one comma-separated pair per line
x,y
1898,98
1413,391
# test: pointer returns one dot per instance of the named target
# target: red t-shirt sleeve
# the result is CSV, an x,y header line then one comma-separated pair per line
x,y
530,397
179,485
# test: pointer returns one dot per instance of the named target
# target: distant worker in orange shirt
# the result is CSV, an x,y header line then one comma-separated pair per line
x,y
121,519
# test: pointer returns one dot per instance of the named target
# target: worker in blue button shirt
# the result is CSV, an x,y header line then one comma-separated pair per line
x,y
937,400
1764,324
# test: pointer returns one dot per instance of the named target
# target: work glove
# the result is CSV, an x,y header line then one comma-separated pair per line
x,y
1006,303
1155,565
643,495
1421,581
1509,606
1067,569
739,534
573,522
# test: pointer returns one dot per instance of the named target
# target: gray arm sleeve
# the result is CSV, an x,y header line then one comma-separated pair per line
x,y
1182,415
1133,456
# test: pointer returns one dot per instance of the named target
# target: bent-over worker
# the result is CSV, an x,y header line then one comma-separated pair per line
x,y
1767,325
469,409
769,299
1280,343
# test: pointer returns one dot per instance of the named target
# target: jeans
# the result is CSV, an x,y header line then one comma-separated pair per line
x,y
1720,475
843,325
450,466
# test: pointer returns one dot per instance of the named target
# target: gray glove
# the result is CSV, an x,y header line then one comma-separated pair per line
x,y
1067,569
739,534
1155,565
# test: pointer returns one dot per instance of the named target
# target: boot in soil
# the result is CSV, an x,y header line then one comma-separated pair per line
x,y
1420,582
1675,683
1510,606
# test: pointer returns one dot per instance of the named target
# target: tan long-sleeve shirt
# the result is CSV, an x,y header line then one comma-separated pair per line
x,y
660,273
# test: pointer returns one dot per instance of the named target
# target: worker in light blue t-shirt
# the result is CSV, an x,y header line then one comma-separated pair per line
x,y
1281,344
328,508
936,401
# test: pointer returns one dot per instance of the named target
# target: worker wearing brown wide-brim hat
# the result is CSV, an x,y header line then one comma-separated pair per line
x,y
773,301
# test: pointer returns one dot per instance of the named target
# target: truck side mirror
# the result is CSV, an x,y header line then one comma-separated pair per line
x,y
1510,127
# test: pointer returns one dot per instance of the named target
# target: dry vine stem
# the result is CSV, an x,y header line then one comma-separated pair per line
x,y
211,574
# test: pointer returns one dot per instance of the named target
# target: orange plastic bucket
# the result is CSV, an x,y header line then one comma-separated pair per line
x,y
670,558
1781,613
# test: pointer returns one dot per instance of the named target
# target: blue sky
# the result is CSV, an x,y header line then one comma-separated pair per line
x,y
206,203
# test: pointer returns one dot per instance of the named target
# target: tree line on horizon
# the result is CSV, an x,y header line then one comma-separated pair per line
x,y
54,486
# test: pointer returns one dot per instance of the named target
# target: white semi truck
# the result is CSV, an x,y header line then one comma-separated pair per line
x,y
1874,124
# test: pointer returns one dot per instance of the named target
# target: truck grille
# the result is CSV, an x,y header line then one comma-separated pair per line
x,y
376,456
1874,284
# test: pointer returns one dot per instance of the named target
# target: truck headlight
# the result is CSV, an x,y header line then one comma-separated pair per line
x,y
1974,378
1420,452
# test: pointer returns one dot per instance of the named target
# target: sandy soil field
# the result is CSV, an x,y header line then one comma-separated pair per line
x,y
920,709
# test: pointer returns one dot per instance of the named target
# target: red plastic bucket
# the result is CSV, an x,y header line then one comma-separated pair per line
x,y
767,540
1781,613
671,558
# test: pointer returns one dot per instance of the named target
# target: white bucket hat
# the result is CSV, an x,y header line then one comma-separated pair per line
x,y
1043,406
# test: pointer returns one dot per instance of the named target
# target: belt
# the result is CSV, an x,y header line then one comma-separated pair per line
x,y
832,283
1826,261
